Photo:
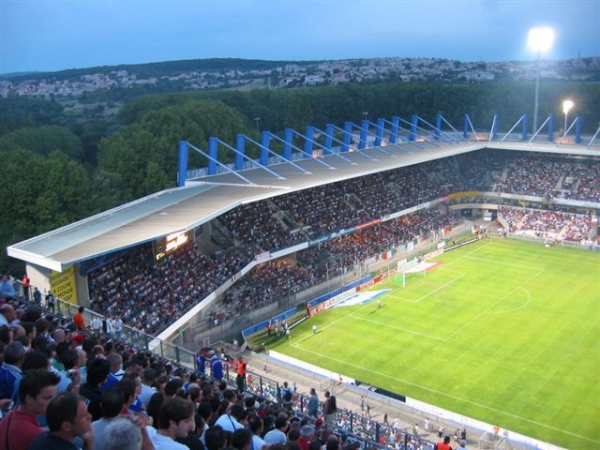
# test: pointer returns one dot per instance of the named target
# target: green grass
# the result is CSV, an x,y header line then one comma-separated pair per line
x,y
504,331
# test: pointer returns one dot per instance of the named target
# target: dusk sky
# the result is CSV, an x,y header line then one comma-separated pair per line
x,y
50,35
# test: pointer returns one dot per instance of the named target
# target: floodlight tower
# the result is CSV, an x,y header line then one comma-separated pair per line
x,y
567,105
539,40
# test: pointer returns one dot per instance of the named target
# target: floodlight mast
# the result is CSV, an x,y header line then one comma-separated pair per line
x,y
539,40
566,106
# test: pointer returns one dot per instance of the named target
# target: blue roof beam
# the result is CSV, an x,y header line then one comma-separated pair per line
x,y
242,155
291,146
217,162
276,155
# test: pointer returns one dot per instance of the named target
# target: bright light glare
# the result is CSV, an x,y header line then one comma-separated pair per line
x,y
567,105
540,39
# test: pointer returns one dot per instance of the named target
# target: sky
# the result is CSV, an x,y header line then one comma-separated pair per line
x,y
52,35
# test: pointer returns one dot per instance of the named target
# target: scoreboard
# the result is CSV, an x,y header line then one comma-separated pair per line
x,y
170,243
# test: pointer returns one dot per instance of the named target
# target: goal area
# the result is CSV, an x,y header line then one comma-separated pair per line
x,y
405,267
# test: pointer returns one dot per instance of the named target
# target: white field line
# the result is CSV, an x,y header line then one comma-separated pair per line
x,y
517,307
485,311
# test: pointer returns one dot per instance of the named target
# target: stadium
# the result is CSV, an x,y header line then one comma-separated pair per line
x,y
392,207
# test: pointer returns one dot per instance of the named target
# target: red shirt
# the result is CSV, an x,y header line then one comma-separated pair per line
x,y
443,446
20,427
79,321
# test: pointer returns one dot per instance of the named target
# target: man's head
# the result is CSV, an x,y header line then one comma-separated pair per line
x,y
237,411
281,423
69,358
176,416
97,371
241,439
215,438
68,416
112,401
307,432
332,443
8,312
36,390
83,358
59,336
148,376
122,434
14,353
115,360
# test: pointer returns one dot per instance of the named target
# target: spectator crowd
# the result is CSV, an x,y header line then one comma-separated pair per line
x,y
65,386
149,295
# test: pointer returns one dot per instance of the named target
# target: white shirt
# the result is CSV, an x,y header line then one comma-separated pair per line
x,y
275,436
257,442
161,442
117,325
147,392
96,323
228,423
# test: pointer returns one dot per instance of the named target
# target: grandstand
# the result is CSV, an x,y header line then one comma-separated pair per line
x,y
240,243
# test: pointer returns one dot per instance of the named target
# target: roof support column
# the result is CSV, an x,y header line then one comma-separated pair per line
x,y
213,146
183,163
240,146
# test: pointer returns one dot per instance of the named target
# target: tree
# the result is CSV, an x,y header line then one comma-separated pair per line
x,y
144,155
40,193
44,140
18,112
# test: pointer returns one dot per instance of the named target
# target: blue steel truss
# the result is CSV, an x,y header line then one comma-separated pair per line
x,y
385,136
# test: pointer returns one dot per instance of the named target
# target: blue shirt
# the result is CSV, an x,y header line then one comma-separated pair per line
x,y
217,369
47,441
10,377
7,290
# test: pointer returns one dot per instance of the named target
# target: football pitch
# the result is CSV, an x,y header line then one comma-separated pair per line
x,y
503,331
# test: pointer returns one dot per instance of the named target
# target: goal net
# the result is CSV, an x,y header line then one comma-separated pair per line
x,y
405,268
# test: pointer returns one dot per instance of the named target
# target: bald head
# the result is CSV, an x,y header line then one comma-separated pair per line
x,y
59,335
115,361
8,312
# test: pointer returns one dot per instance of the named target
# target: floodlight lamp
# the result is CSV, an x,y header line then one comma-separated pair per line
x,y
540,39
567,105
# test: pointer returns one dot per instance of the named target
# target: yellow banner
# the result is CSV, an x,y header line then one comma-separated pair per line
x,y
464,194
63,286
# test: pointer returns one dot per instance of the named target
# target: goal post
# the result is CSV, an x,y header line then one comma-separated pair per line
x,y
403,267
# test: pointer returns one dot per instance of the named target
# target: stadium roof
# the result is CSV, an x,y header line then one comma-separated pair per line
x,y
202,199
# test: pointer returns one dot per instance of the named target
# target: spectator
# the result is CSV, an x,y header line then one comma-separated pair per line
x,y
67,419
7,314
256,427
79,320
21,426
97,373
121,434
10,370
113,401
330,409
233,419
241,439
175,420
148,378
7,289
278,434
192,440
